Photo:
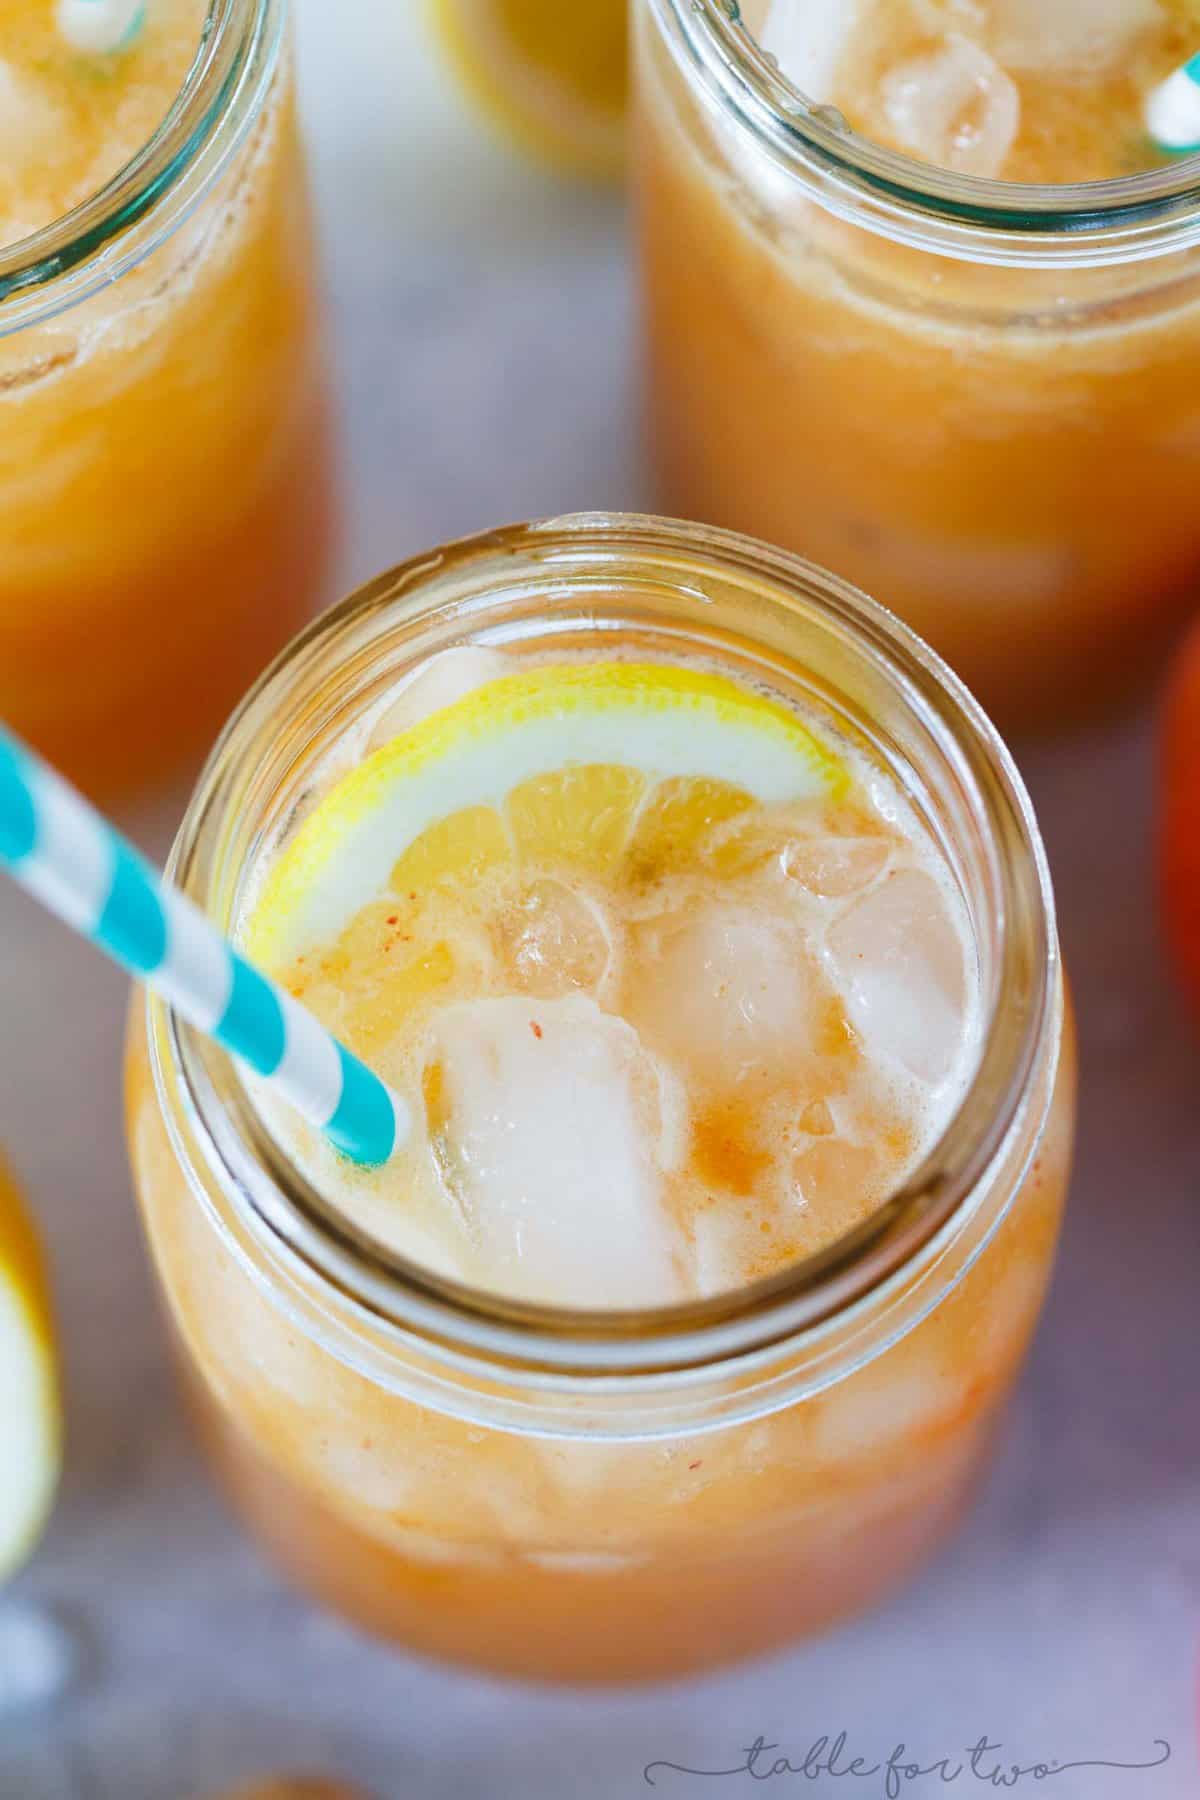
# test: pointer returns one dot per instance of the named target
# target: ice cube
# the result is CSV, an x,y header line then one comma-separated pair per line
x,y
444,679
725,991
833,1178
723,1243
37,1659
899,962
955,107
816,1119
895,1398
835,866
371,1468
557,1128
554,940
1081,35
807,39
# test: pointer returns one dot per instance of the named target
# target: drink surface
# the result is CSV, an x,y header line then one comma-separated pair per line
x,y
677,984
1021,90
70,118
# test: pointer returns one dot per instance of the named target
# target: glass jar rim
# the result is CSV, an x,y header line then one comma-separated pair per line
x,y
1122,219
217,1132
114,228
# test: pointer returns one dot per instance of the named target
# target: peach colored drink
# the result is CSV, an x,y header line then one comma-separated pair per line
x,y
921,302
698,1013
165,499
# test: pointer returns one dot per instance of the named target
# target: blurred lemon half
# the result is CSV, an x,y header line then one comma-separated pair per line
x,y
553,73
30,1427
295,1787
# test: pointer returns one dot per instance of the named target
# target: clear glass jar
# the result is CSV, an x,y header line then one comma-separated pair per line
x,y
611,1495
166,503
977,398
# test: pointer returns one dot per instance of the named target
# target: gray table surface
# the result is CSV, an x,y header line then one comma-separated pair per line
x,y
482,317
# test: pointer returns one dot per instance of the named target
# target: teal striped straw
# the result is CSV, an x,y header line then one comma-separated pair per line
x,y
100,27
58,848
1173,111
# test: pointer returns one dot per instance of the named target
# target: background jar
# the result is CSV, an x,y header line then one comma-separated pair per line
x,y
165,470
979,399
611,1495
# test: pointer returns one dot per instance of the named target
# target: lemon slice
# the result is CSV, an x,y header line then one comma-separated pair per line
x,y
295,1787
610,769
30,1431
552,72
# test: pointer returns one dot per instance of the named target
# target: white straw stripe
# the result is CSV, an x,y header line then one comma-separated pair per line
x,y
1173,111
71,870
197,964
97,27
311,1070
55,845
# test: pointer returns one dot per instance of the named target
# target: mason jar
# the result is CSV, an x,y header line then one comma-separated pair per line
x,y
166,493
611,1495
978,399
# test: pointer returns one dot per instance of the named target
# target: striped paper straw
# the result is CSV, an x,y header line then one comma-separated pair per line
x,y
72,860
1173,110
98,27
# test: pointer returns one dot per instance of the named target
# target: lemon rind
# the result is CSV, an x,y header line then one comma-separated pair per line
x,y
549,126
31,1418
661,720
